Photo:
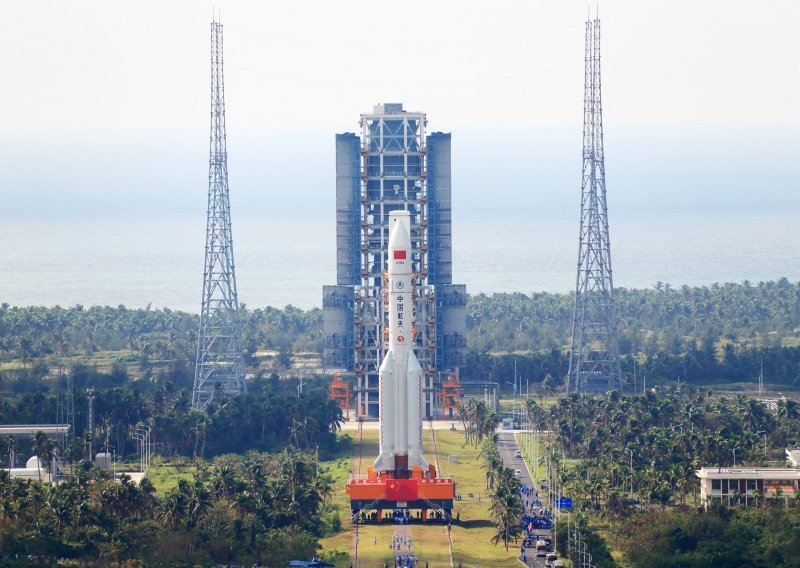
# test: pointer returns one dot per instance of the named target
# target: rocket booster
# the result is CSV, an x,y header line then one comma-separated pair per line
x,y
400,374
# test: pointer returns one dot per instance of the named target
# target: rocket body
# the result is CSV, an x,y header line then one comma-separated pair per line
x,y
400,373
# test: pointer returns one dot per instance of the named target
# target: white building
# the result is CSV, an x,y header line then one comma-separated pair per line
x,y
34,470
748,485
793,456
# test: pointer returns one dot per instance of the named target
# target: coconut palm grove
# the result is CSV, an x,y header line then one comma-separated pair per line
x,y
257,478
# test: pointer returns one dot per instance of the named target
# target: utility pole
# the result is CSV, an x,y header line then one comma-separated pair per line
x,y
515,380
631,452
91,424
594,359
219,369
527,439
536,452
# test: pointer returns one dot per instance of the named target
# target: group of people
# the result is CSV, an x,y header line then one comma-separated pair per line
x,y
534,515
404,562
400,540
402,516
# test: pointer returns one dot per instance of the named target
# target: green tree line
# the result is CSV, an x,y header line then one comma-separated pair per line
x,y
650,446
760,314
720,537
270,417
258,509
702,334
630,462
28,334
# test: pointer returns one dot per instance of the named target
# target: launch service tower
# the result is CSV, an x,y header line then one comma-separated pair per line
x,y
394,318
393,166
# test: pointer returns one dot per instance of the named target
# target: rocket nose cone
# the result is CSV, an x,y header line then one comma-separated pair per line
x,y
399,223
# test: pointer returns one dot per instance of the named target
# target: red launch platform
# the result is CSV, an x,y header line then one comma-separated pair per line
x,y
422,490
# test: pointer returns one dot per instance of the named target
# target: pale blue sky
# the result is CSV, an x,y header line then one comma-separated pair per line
x,y
106,125
144,64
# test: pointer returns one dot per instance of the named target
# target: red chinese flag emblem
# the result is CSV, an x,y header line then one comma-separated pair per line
x,y
401,490
399,255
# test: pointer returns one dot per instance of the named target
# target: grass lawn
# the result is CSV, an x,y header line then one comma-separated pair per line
x,y
471,537
604,530
165,477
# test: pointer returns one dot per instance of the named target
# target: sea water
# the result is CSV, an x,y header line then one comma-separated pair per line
x,y
280,261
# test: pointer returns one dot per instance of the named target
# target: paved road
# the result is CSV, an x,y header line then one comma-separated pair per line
x,y
507,445
403,548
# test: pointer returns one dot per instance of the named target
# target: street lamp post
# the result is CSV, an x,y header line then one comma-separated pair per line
x,y
631,452
536,450
528,437
139,437
515,379
734,454
486,389
143,435
764,432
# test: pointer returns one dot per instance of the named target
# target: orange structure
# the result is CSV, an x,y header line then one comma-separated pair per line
x,y
423,491
340,392
451,397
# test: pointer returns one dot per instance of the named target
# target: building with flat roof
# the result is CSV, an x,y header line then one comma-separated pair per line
x,y
394,164
29,431
746,485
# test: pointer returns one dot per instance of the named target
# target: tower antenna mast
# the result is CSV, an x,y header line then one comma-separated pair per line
x,y
219,369
594,359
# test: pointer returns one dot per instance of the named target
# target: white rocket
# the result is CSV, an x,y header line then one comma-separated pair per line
x,y
400,373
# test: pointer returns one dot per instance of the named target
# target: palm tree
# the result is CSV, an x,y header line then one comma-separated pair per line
x,y
545,386
12,452
506,508
173,509
41,449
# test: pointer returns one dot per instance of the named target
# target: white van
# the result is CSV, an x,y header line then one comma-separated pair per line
x,y
551,559
558,564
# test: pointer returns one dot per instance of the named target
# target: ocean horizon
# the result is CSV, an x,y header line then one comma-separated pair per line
x,y
159,261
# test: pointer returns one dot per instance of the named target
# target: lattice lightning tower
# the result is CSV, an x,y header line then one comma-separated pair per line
x,y
594,360
219,368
